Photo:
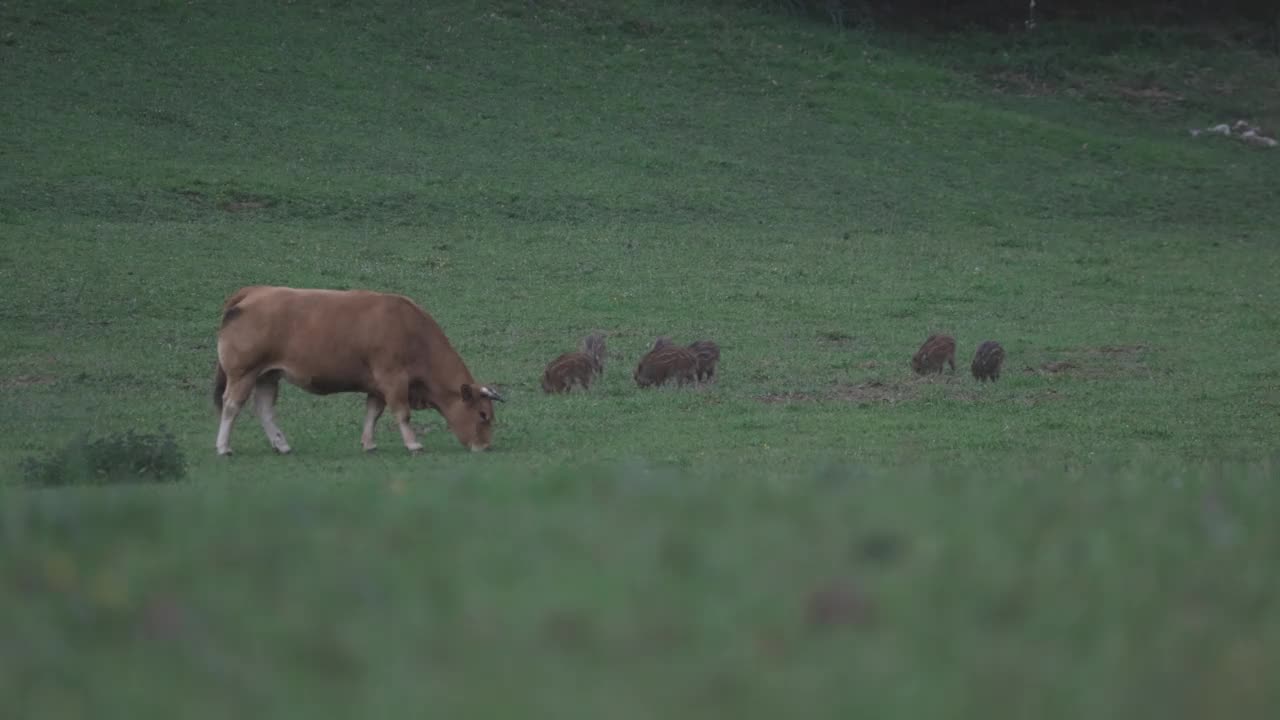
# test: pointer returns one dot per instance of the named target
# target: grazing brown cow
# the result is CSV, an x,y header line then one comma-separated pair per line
x,y
340,341
708,353
937,350
665,363
576,367
987,361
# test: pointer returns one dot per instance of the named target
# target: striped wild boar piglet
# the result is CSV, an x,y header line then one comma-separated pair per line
x,y
937,350
579,367
708,354
987,361
666,362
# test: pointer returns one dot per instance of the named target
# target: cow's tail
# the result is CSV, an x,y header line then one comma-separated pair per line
x,y
230,310
219,384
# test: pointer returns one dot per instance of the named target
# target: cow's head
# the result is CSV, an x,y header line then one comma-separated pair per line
x,y
470,416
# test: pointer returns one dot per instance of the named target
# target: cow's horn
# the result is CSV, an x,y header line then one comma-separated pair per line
x,y
491,393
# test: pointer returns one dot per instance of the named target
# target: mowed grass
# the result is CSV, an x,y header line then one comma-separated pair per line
x,y
818,532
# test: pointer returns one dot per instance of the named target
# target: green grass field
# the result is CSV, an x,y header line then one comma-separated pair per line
x,y
819,532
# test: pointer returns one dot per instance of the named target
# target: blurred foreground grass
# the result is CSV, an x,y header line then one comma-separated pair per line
x,y
642,590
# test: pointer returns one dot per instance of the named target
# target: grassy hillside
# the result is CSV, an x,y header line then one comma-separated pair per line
x,y
1088,536
814,201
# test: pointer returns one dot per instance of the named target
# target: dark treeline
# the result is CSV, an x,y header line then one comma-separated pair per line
x,y
1020,14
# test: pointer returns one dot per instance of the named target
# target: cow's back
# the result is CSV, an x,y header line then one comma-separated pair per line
x,y
331,340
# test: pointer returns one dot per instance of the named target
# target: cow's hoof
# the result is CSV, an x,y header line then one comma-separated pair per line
x,y
415,449
283,450
224,452
369,448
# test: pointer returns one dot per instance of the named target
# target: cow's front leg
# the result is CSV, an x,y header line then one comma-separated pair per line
x,y
401,413
373,408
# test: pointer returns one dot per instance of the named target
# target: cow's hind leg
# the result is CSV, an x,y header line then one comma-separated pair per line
x,y
237,392
373,408
265,392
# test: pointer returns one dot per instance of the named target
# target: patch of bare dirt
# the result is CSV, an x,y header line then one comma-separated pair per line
x,y
1152,95
787,397
1055,367
19,381
1101,362
835,337
1039,398
1019,83
1118,349
238,206
873,391
1139,91
247,203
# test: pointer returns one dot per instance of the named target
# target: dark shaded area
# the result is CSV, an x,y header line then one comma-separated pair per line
x,y
1019,14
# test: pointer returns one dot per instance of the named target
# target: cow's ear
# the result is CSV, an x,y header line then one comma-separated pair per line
x,y
468,394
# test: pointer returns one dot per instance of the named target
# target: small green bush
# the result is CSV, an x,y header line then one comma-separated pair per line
x,y
115,458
